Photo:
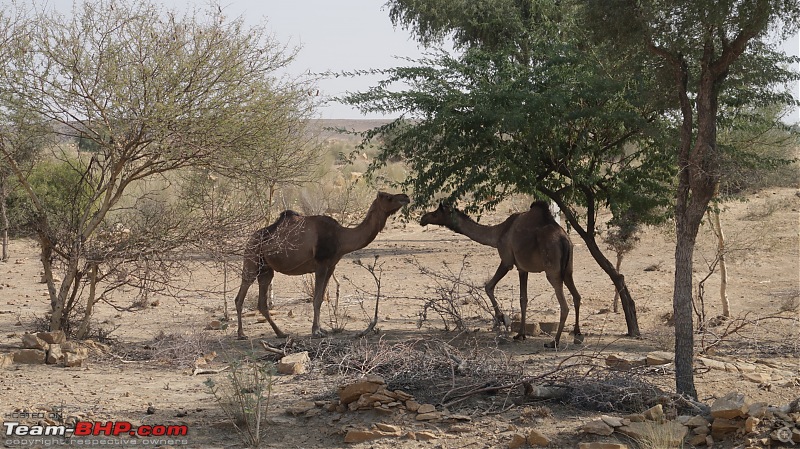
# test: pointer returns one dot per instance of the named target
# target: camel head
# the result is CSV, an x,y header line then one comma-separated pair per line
x,y
442,216
389,203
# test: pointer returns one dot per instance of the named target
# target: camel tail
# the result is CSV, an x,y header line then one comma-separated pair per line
x,y
566,256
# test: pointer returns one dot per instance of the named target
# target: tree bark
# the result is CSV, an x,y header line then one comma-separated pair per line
x,y
4,216
616,292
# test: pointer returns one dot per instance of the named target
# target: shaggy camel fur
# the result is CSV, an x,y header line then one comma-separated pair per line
x,y
297,244
532,242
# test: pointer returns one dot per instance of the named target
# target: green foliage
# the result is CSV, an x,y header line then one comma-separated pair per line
x,y
63,192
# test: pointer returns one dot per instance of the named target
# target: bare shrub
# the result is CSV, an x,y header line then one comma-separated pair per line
x,y
244,396
174,349
451,293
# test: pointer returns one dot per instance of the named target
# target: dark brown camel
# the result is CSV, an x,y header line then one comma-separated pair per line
x,y
297,244
533,242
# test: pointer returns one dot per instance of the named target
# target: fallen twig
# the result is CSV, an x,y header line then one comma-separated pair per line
x,y
199,370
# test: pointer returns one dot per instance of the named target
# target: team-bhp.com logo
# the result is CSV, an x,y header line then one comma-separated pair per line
x,y
113,429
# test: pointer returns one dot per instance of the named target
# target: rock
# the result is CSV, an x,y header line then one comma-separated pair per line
x,y
428,416
214,325
702,430
723,426
54,354
374,379
655,413
426,435
517,441
387,428
6,360
359,436
537,439
757,410
377,397
30,341
660,358
426,408
352,392
598,428
597,445
669,432
697,421
623,362
412,405
29,356
697,440
531,329
750,424
294,363
634,417
53,338
732,405
300,407
759,378
711,363
612,421
76,358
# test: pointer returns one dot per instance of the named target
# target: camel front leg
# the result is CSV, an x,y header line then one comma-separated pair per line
x,y
499,318
264,285
321,278
523,303
248,276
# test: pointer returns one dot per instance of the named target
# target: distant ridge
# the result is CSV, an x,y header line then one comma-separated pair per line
x,y
318,126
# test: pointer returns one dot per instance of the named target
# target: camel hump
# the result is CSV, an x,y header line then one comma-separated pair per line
x,y
544,210
288,213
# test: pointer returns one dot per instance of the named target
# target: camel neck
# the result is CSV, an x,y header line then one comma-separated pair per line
x,y
485,235
362,235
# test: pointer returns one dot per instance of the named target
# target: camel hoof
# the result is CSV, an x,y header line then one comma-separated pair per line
x,y
241,337
551,345
319,333
520,336
578,340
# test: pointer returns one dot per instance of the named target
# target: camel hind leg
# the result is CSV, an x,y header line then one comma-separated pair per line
x,y
321,277
264,285
576,301
558,286
249,274
523,303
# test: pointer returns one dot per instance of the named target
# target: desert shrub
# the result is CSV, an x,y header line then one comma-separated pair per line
x,y
244,395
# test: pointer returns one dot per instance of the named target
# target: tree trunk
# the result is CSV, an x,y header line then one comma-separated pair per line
x,y
4,216
723,266
90,302
616,292
588,237
682,309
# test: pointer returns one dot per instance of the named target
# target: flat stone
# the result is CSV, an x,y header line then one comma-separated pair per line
x,y
622,361
426,435
655,413
612,421
54,354
697,421
30,356
351,393
732,405
697,440
412,405
53,338
723,426
296,363
758,409
426,408
537,439
359,436
634,417
517,441
300,407
428,416
76,358
598,428
598,445
387,428
660,358
31,341
711,363
759,378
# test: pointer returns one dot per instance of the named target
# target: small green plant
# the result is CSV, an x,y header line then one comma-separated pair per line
x,y
244,396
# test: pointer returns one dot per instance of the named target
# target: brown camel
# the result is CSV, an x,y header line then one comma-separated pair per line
x,y
297,244
533,242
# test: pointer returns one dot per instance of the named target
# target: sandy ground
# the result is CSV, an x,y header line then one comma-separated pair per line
x,y
128,382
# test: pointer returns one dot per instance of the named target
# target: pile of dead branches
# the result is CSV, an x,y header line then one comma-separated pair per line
x,y
430,369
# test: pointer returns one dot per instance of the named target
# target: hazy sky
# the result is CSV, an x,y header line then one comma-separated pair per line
x,y
335,35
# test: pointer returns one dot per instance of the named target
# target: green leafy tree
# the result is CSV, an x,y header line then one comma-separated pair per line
x,y
711,53
524,108
152,92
